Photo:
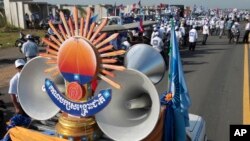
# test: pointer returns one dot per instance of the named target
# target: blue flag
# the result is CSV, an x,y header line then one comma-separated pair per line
x,y
180,102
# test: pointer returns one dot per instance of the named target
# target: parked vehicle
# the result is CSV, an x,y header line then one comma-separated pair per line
x,y
43,24
21,40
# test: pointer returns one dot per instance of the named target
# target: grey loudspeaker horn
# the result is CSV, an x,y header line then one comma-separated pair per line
x,y
133,110
32,94
147,60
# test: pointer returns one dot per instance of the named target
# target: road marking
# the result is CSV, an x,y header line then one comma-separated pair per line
x,y
246,107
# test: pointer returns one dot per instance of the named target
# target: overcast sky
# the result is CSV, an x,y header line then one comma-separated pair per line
x,y
241,4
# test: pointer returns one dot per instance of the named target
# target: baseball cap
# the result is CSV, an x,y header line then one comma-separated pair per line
x,y
19,62
28,36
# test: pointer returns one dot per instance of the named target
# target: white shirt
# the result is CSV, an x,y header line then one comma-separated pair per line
x,y
13,84
193,36
247,26
217,24
126,45
205,30
157,43
182,29
178,35
222,24
30,49
153,34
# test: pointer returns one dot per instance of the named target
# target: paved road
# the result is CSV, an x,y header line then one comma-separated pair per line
x,y
214,75
7,70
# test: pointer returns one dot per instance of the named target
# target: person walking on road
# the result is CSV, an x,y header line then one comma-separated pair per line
x,y
29,48
205,33
222,25
247,31
229,25
19,64
193,36
20,118
158,45
157,42
235,33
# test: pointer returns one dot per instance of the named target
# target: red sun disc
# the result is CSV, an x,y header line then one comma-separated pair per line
x,y
75,91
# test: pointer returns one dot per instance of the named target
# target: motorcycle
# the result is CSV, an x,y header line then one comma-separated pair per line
x,y
21,40
235,35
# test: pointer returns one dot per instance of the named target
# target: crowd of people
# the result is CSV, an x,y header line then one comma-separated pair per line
x,y
187,29
32,20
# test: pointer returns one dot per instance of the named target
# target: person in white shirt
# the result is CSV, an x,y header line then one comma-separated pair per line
x,y
217,27
19,63
125,45
193,36
205,33
182,29
247,31
162,31
178,35
212,26
29,48
157,42
153,33
184,34
222,25
235,30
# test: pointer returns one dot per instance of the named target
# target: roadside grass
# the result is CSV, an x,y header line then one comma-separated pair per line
x,y
8,36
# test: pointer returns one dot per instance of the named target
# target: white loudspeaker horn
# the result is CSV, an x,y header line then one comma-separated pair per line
x,y
133,110
31,92
146,59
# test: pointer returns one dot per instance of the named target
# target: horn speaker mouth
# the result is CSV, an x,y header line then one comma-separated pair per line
x,y
33,99
146,59
121,122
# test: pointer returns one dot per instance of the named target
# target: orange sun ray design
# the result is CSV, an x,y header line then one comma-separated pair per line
x,y
65,23
110,38
87,23
106,48
55,31
81,26
75,15
53,38
100,38
71,35
62,31
108,73
71,27
50,44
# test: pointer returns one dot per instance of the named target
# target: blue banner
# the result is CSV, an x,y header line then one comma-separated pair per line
x,y
177,113
181,100
84,109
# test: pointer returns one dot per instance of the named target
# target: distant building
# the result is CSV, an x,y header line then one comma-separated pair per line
x,y
16,9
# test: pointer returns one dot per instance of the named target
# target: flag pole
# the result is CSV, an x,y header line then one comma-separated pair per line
x,y
169,54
